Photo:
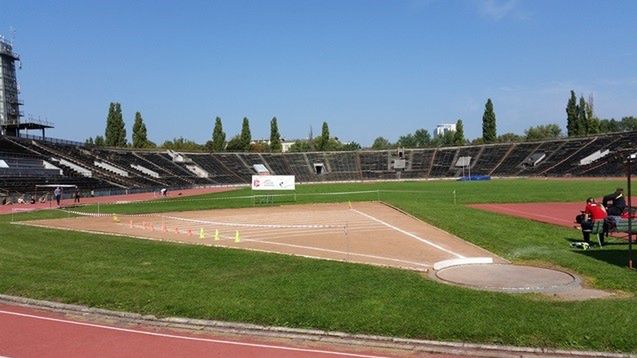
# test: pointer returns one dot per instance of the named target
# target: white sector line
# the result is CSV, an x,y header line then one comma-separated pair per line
x,y
410,235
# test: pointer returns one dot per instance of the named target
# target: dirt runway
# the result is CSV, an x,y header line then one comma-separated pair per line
x,y
369,232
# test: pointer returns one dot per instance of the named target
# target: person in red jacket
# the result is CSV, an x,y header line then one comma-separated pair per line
x,y
593,212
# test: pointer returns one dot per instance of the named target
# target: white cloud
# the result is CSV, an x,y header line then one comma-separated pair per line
x,y
496,9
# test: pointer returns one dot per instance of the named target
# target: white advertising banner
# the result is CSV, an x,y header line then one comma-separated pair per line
x,y
273,182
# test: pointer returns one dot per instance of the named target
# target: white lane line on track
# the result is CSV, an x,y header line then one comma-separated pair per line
x,y
411,235
185,337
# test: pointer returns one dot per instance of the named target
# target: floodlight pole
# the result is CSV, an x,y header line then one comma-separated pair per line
x,y
630,214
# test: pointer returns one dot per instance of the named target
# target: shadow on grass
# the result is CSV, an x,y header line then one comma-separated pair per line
x,y
614,252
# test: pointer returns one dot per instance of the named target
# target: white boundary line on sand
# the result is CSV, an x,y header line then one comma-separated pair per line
x,y
173,336
410,235
338,252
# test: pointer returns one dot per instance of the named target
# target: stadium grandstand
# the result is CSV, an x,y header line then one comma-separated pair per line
x,y
27,163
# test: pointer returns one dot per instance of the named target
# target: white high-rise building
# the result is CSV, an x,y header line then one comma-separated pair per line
x,y
441,129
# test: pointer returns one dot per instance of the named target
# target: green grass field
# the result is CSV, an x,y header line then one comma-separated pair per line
x,y
223,284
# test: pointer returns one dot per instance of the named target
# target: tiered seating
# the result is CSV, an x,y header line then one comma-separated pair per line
x,y
253,158
490,158
545,148
300,168
442,162
124,160
420,162
236,166
218,172
612,164
473,152
163,160
343,166
375,165
278,164
511,164
569,156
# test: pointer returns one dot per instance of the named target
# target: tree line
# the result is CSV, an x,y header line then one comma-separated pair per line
x,y
115,136
580,121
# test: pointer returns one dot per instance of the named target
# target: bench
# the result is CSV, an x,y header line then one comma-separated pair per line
x,y
621,225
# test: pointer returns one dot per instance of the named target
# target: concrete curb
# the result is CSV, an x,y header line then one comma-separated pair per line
x,y
340,338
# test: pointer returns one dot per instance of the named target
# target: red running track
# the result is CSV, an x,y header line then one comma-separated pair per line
x,y
26,332
562,214
5,209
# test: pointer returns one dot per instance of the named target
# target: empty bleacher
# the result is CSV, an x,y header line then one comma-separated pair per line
x,y
492,156
442,162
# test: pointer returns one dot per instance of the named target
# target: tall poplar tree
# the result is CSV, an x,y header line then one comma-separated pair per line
x,y
275,137
488,123
245,137
324,139
140,137
115,133
571,115
218,136
458,136
582,120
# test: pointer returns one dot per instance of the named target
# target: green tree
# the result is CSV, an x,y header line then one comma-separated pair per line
x,y
629,124
543,132
89,142
406,141
140,138
235,144
444,140
99,141
422,138
245,135
115,133
381,143
508,138
571,115
183,144
275,137
458,136
351,146
488,123
301,146
582,121
218,137
322,142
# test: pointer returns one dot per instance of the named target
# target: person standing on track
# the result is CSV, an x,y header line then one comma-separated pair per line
x,y
57,193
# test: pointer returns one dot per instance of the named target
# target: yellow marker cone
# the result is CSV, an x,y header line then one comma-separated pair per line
x,y
236,236
350,204
115,218
216,235
202,234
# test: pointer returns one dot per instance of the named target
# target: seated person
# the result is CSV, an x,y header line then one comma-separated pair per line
x,y
615,203
593,212
21,199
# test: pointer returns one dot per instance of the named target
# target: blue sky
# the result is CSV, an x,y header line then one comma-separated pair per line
x,y
369,68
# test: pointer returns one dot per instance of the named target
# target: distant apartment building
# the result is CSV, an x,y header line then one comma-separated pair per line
x,y
441,129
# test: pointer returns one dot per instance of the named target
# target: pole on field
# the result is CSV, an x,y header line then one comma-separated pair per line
x,y
454,196
630,214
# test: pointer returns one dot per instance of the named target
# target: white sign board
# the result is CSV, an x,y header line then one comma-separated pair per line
x,y
273,182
